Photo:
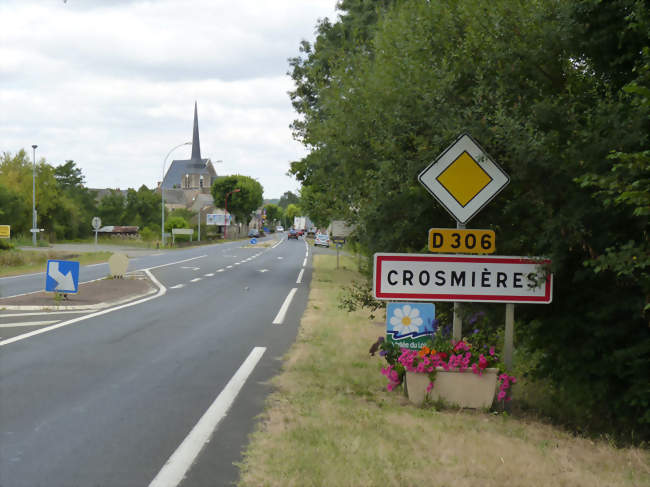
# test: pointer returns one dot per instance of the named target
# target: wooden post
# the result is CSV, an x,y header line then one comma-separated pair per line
x,y
509,336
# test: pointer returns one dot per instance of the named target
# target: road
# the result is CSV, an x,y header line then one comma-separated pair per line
x,y
130,397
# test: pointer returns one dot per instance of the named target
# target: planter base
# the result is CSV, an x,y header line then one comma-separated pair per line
x,y
464,389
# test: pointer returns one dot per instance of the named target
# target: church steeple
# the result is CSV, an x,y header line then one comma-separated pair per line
x,y
196,144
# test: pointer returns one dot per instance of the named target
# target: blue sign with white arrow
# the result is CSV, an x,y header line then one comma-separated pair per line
x,y
62,276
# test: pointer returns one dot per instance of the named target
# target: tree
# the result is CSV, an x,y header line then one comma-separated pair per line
x,y
243,203
287,198
14,211
526,81
111,208
142,207
273,212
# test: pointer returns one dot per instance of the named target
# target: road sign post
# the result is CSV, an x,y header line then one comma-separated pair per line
x,y
96,223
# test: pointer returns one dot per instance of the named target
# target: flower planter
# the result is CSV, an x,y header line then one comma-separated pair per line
x,y
464,389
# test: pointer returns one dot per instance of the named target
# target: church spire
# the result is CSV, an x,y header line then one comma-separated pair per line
x,y
196,145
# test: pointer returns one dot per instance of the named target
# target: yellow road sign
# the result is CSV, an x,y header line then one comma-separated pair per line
x,y
463,241
5,231
463,179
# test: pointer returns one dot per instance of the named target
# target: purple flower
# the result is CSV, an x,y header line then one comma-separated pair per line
x,y
380,340
382,353
475,331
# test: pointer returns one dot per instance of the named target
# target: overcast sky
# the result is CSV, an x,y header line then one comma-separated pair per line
x,y
111,84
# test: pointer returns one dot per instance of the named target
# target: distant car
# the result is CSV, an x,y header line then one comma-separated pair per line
x,y
279,228
292,234
322,239
253,233
300,232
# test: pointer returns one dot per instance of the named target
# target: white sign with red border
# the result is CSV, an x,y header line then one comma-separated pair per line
x,y
451,277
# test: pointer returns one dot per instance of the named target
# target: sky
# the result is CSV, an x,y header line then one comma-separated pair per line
x,y
111,84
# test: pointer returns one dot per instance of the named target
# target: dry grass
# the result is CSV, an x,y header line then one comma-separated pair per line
x,y
332,423
14,262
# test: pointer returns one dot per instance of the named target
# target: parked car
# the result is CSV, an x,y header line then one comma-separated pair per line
x,y
292,234
253,232
322,239
279,228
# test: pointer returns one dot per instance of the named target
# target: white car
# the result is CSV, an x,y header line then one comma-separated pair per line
x,y
279,228
322,239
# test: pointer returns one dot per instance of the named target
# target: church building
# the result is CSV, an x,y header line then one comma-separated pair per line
x,y
194,173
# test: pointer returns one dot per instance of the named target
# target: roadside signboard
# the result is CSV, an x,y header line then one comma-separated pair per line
x,y
218,219
464,179
410,325
5,231
62,276
96,222
462,241
448,277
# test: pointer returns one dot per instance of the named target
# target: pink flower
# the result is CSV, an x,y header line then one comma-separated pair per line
x,y
429,387
501,395
491,351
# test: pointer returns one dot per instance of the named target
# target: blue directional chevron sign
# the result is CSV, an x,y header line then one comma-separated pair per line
x,y
62,276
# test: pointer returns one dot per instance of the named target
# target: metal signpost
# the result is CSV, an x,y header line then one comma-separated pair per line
x,y
97,223
62,276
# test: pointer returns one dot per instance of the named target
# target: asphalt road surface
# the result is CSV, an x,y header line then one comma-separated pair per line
x,y
163,393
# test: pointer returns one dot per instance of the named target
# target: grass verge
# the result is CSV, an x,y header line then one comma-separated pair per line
x,y
331,422
14,262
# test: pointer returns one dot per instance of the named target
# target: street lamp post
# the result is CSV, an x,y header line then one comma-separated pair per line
x,y
34,196
162,189
225,227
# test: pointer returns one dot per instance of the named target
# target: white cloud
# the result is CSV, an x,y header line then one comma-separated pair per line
x,y
112,85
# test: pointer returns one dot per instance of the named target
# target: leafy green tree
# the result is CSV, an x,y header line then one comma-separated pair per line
x,y
243,203
526,80
111,208
273,213
287,198
142,207
175,222
14,211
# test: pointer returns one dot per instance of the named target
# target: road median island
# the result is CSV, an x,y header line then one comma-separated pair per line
x,y
331,421
92,295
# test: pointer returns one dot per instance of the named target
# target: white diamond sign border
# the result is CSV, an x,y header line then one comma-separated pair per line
x,y
464,143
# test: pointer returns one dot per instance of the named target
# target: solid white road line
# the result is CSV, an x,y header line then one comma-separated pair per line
x,y
304,262
173,263
299,280
279,318
161,291
182,459
27,323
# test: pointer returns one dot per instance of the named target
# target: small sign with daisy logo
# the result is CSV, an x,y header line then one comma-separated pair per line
x,y
410,325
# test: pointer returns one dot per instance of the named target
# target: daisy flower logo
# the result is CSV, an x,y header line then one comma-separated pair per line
x,y
406,319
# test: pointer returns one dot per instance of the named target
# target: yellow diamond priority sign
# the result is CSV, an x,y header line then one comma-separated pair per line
x,y
464,178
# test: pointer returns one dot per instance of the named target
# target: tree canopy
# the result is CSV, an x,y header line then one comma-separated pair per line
x,y
242,203
556,93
